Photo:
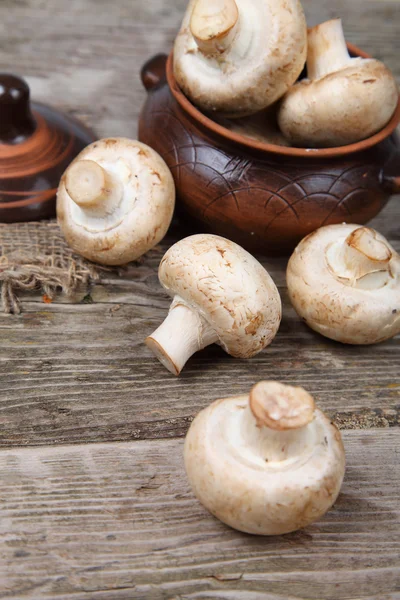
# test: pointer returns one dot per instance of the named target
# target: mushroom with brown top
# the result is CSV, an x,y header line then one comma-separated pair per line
x,y
344,281
343,100
221,294
239,56
115,201
268,463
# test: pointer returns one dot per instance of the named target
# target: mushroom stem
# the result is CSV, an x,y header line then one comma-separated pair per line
x,y
327,49
362,259
281,407
183,333
275,423
214,25
92,187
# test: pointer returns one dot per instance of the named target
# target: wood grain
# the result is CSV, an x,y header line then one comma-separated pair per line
x,y
119,521
115,520
73,373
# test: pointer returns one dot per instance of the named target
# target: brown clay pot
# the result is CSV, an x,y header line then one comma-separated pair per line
x,y
37,143
263,196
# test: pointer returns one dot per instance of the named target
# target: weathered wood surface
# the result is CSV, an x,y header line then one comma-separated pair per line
x,y
72,373
116,520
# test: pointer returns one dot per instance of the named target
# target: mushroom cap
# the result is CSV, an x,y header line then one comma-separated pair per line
x,y
228,287
262,481
333,307
265,58
142,217
346,106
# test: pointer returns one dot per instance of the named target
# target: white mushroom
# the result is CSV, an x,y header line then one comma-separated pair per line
x,y
343,100
344,281
115,201
239,56
269,463
221,294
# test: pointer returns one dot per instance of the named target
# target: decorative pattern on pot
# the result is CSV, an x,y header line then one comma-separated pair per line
x,y
263,199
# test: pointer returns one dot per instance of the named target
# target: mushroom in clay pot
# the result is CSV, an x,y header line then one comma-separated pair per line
x,y
344,281
267,463
221,295
343,100
239,56
115,201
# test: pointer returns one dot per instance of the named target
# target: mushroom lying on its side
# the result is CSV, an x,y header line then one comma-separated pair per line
x,y
221,295
239,56
269,463
344,100
115,201
344,281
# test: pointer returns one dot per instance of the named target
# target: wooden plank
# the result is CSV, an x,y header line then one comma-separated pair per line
x,y
118,521
81,373
138,282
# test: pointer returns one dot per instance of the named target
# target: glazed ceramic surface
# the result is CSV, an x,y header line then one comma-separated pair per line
x,y
263,196
37,143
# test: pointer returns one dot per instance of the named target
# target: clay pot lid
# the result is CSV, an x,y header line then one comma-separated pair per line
x,y
209,124
37,143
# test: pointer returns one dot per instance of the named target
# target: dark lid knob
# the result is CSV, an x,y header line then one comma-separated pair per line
x,y
16,119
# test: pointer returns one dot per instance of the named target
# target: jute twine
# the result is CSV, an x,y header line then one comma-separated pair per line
x,y
35,256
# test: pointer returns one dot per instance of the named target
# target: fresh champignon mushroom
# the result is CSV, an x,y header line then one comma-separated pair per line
x,y
344,281
115,201
268,463
343,100
238,57
221,294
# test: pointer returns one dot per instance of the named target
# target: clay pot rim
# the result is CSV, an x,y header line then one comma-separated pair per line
x,y
223,132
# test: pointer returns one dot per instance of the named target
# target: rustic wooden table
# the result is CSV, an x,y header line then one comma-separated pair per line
x,y
93,496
